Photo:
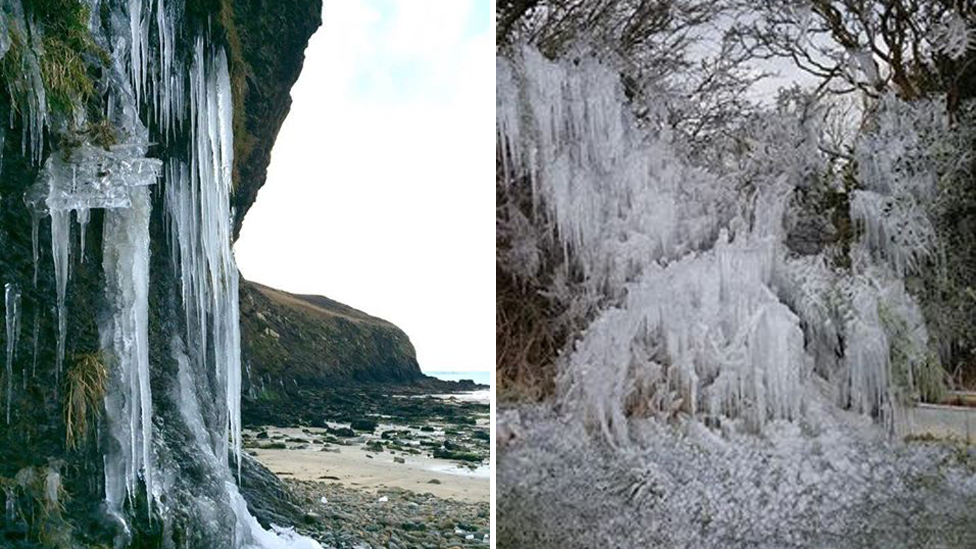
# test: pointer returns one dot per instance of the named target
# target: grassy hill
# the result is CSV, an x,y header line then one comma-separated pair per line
x,y
308,340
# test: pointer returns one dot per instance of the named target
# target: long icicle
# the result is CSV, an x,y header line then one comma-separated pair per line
x,y
12,302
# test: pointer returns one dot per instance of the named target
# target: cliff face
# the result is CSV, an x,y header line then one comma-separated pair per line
x,y
272,35
89,41
315,341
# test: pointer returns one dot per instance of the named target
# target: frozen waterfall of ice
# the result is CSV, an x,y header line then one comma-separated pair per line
x,y
148,86
198,206
197,202
707,315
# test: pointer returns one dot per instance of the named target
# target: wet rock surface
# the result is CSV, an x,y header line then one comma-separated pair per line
x,y
290,406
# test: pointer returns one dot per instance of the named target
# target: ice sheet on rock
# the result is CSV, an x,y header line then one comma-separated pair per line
x,y
93,177
12,324
248,533
259,538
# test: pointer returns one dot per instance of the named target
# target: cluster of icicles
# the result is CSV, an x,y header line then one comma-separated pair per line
x,y
196,100
709,316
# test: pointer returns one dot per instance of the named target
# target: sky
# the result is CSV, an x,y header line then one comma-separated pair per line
x,y
380,191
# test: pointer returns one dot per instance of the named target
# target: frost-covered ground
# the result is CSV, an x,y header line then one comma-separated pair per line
x,y
833,482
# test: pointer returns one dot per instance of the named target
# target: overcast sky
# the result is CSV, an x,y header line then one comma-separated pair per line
x,y
380,192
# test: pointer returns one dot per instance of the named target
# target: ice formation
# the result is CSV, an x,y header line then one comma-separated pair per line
x,y
703,311
128,403
840,486
150,94
36,201
60,239
26,88
12,323
37,325
201,244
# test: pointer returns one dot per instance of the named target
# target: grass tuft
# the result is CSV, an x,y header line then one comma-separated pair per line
x,y
86,383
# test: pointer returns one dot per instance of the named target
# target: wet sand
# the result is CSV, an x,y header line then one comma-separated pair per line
x,y
351,467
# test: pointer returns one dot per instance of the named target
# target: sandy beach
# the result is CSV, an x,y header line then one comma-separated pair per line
x,y
351,467
308,457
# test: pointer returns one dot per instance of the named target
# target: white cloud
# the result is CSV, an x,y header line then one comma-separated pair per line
x,y
380,192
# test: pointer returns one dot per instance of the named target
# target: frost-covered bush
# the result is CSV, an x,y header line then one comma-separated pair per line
x,y
687,320
917,208
897,171
585,198
676,289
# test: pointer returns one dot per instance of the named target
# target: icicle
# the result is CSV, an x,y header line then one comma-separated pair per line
x,y
3,139
35,223
139,47
126,337
198,204
35,198
10,497
37,324
26,89
168,84
12,302
60,244
83,218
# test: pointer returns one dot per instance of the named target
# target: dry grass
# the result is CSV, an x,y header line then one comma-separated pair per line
x,y
65,75
526,342
86,382
37,495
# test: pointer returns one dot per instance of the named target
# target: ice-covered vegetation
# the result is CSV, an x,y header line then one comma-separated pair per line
x,y
734,310
694,302
838,486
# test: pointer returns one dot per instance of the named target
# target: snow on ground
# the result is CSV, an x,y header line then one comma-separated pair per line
x,y
829,482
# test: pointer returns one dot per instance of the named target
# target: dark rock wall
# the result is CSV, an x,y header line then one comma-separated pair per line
x,y
272,35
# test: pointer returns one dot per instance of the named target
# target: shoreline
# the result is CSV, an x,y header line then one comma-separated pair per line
x,y
355,466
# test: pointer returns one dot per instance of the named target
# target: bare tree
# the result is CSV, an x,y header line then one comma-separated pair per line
x,y
865,45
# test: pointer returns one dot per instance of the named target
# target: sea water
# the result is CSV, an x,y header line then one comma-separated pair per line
x,y
480,377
